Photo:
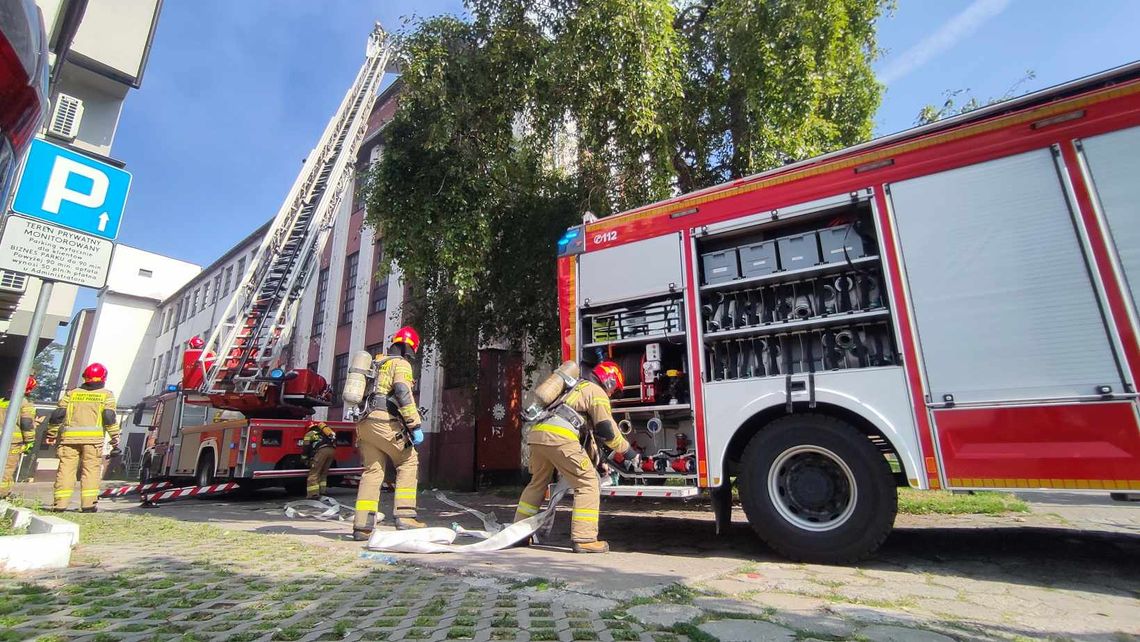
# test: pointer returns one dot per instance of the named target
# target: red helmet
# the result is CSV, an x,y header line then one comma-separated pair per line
x,y
610,377
409,336
30,386
95,372
196,343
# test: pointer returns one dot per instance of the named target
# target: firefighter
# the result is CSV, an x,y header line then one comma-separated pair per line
x,y
23,440
556,444
320,448
84,418
390,433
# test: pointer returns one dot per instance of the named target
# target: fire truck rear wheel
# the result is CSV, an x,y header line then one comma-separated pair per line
x,y
205,472
816,490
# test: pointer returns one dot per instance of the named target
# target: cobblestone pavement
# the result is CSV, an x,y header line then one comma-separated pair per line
x,y
1033,576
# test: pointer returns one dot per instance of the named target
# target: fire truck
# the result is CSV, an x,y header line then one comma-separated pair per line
x,y
240,411
951,307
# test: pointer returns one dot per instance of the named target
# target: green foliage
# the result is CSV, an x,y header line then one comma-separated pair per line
x,y
45,368
513,123
951,107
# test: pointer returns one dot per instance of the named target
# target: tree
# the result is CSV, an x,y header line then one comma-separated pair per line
x,y
514,122
45,368
950,107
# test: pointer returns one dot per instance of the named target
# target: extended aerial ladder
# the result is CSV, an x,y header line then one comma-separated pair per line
x,y
244,360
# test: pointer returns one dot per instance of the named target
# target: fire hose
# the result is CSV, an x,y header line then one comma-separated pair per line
x,y
325,509
441,540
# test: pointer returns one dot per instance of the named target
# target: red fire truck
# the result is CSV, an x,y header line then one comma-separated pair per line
x,y
951,307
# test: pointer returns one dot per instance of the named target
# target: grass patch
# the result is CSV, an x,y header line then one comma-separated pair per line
x,y
460,633
538,583
505,622
6,528
583,634
289,633
942,502
425,620
624,634
544,634
466,620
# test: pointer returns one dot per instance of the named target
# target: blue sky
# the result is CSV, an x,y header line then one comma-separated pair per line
x,y
236,93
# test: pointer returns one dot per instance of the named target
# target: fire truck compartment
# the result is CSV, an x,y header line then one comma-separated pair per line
x,y
630,271
824,309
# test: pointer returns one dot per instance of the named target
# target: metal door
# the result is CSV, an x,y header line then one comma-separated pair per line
x,y
497,426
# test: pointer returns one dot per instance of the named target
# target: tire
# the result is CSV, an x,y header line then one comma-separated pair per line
x,y
816,490
205,474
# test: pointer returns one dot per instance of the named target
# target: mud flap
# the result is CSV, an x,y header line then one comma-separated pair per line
x,y
721,497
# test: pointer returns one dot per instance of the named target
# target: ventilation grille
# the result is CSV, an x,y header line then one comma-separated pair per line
x,y
13,282
66,118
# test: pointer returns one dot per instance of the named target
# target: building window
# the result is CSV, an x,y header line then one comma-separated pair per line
x,y
313,366
146,274
340,371
240,273
172,365
348,292
379,300
217,286
376,349
194,302
226,281
181,310
322,299
205,294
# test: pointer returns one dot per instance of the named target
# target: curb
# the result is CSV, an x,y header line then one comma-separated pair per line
x,y
48,543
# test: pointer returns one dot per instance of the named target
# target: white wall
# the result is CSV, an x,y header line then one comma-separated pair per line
x,y
116,33
129,268
119,342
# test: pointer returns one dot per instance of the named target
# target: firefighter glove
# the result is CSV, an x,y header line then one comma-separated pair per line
x,y
417,437
29,447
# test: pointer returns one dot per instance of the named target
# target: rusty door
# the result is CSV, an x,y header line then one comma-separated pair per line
x,y
497,423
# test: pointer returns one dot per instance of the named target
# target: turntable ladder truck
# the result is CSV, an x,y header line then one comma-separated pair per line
x,y
243,365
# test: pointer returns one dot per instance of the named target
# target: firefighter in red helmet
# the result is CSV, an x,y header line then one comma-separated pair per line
x,y
555,444
84,419
23,440
390,432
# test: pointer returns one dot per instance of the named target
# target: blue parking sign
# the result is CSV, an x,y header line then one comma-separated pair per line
x,y
69,189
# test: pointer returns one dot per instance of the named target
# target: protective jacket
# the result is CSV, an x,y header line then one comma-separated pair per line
x,y
317,438
85,415
26,428
394,382
564,421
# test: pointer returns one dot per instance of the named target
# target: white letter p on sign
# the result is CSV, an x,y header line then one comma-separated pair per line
x,y
57,190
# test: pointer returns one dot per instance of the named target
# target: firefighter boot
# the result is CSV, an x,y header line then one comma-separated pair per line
x,y
361,535
408,523
89,509
591,547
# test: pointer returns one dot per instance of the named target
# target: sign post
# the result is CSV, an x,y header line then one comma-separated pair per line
x,y
72,206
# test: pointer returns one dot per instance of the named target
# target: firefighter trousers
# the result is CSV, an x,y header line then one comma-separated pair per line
x,y
10,469
319,472
87,460
574,466
380,439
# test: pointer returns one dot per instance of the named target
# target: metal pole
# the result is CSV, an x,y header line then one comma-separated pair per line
x,y
25,367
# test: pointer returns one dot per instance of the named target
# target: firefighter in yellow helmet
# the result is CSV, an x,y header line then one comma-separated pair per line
x,y
390,432
555,445
23,440
84,418
320,448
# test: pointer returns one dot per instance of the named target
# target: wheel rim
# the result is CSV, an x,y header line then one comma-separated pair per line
x,y
812,488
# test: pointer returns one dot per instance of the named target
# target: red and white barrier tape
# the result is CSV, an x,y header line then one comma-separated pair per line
x,y
188,491
119,491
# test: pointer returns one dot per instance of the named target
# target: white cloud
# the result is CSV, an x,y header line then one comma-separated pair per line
x,y
942,39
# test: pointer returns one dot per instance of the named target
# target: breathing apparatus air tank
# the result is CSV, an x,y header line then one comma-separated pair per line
x,y
356,384
562,379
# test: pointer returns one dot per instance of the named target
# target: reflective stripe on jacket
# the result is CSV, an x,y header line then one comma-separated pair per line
x,y
83,422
